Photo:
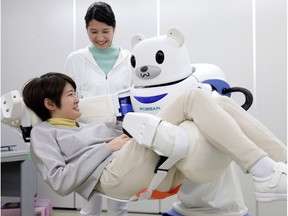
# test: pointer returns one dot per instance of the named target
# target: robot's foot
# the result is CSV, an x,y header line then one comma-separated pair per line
x,y
163,137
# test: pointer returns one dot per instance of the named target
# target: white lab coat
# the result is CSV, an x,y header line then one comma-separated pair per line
x,y
91,80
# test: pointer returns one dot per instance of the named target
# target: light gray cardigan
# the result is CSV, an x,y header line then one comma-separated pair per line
x,y
71,159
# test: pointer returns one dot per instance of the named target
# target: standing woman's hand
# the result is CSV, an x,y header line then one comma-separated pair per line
x,y
117,143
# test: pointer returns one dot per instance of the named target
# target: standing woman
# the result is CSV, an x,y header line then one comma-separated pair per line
x,y
99,69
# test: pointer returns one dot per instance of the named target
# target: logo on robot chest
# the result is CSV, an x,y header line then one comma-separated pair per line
x,y
149,109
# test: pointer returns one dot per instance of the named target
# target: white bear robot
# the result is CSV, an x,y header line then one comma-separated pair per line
x,y
162,71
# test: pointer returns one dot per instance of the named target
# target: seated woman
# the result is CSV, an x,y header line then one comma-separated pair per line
x,y
73,156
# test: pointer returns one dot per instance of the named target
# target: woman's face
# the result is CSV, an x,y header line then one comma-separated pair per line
x,y
69,104
100,34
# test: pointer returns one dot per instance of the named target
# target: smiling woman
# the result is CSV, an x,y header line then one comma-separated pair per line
x,y
69,104
102,67
100,34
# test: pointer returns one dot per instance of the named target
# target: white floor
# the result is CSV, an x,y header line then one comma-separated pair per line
x,y
58,212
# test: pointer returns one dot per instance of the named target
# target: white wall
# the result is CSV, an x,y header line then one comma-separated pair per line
x,y
36,38
247,39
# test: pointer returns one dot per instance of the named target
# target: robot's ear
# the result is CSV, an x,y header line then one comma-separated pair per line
x,y
176,34
136,39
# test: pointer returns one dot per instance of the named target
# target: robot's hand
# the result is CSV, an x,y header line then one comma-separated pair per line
x,y
11,109
248,95
15,114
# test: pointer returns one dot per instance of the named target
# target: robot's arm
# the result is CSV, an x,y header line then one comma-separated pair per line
x,y
107,108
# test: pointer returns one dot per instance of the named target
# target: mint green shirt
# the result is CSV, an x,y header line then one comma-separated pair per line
x,y
105,58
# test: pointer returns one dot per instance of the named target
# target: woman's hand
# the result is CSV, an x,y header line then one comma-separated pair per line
x,y
117,143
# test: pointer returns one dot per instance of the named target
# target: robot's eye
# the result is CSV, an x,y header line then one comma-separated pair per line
x,y
133,61
159,57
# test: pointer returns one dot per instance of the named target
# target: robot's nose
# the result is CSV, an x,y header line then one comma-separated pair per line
x,y
144,69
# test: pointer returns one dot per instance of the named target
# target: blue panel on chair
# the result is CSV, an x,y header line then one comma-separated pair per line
x,y
218,85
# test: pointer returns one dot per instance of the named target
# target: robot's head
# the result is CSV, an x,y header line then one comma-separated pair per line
x,y
160,60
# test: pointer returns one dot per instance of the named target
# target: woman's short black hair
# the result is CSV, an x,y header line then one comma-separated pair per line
x,y
49,85
101,12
